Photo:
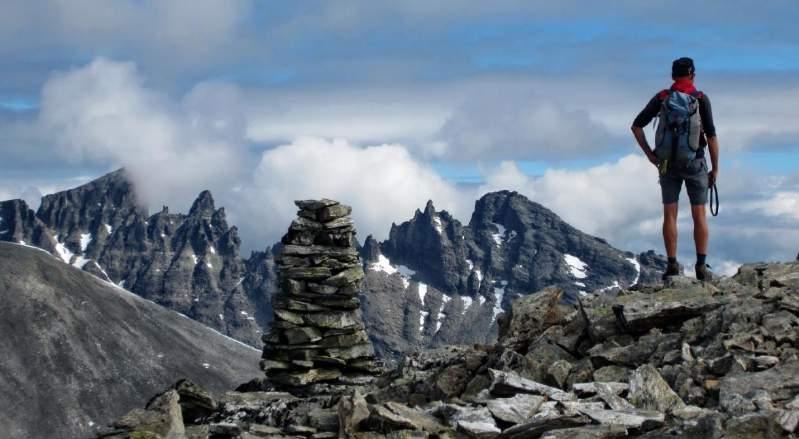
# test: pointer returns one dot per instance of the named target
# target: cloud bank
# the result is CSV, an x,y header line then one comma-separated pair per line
x,y
104,113
258,152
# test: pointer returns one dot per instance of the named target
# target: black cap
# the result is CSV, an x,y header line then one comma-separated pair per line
x,y
682,67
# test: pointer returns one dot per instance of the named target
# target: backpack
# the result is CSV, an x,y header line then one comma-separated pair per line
x,y
679,128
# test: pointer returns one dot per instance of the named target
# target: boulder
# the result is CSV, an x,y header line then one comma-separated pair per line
x,y
515,410
649,391
638,313
195,402
509,384
162,417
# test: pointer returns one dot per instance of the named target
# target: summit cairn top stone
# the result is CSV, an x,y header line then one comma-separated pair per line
x,y
318,340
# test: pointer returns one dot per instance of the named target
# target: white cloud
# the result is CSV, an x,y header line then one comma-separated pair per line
x,y
620,202
382,183
187,31
608,200
104,113
520,125
783,203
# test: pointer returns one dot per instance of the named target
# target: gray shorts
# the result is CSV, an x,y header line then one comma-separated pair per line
x,y
696,182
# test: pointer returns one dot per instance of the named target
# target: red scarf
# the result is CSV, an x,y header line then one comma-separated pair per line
x,y
684,85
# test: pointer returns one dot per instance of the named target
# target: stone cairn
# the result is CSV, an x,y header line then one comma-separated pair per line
x,y
318,339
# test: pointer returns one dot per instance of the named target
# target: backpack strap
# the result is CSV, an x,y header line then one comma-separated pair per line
x,y
698,94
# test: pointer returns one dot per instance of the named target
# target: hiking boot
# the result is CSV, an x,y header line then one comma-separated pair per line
x,y
672,269
703,272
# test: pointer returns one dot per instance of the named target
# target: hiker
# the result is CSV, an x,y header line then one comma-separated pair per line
x,y
684,129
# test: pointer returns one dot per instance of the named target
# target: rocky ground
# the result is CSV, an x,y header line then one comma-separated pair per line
x,y
685,359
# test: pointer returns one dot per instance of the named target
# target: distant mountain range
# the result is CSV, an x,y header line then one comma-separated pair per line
x,y
188,263
433,282
436,281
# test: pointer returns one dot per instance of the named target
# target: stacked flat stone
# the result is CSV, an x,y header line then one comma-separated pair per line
x,y
318,335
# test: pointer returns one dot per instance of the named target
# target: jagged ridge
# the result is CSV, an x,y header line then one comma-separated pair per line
x,y
457,279
188,263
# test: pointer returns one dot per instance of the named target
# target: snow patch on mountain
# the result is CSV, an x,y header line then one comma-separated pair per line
x,y
108,228
576,266
613,286
422,291
637,266
438,225
80,262
63,251
499,295
439,319
467,302
383,264
85,240
499,236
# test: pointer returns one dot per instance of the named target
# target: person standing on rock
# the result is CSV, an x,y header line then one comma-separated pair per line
x,y
684,129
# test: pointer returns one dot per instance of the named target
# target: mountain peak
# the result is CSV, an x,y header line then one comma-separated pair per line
x,y
429,209
203,205
370,250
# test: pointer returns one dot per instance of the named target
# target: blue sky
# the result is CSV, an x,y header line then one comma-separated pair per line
x,y
536,96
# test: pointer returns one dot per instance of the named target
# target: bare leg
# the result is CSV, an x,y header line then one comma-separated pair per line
x,y
701,232
670,229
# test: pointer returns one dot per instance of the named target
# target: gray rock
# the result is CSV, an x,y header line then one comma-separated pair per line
x,y
161,417
509,384
788,420
639,313
589,432
352,411
559,371
515,410
346,277
636,419
314,205
537,427
780,382
606,392
592,388
648,391
754,426
331,320
612,373
304,378
195,402
573,408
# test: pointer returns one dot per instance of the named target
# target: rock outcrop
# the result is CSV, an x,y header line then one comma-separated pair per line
x,y
685,359
318,336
